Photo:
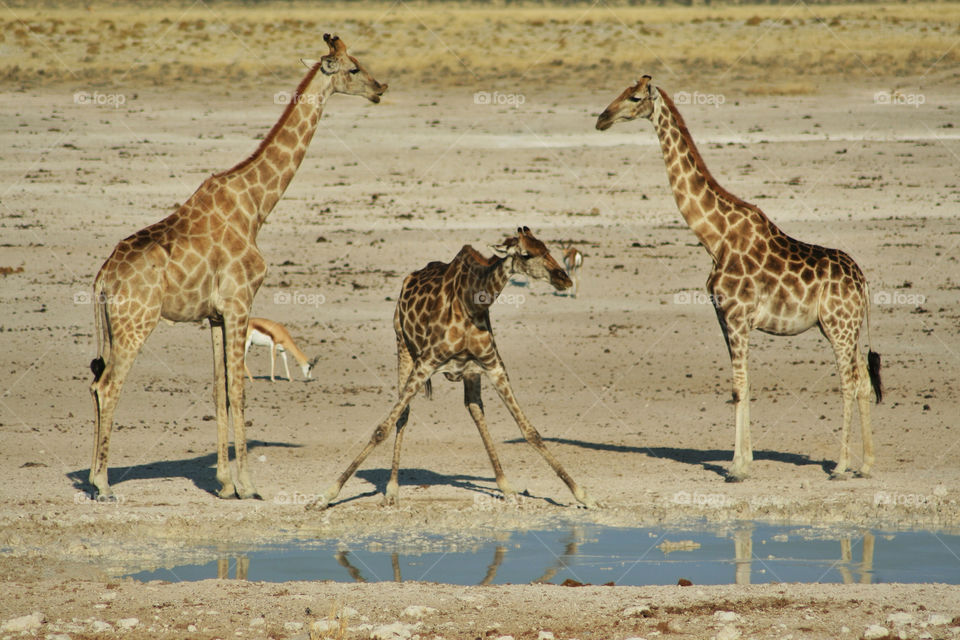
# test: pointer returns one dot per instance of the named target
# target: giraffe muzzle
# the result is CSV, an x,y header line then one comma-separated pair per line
x,y
605,121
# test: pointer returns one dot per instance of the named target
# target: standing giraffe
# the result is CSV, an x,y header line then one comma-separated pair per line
x,y
442,322
202,262
762,278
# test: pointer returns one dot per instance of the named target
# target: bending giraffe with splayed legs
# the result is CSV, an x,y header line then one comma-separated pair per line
x,y
202,263
762,278
442,322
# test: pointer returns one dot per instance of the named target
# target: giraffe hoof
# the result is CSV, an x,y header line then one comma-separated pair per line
x,y
389,501
735,477
841,475
319,504
863,474
108,497
227,493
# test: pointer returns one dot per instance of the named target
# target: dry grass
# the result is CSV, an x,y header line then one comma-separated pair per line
x,y
773,49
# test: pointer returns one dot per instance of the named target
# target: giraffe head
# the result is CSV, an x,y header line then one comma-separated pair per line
x,y
531,258
345,72
638,100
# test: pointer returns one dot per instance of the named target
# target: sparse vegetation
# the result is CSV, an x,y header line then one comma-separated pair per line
x,y
795,45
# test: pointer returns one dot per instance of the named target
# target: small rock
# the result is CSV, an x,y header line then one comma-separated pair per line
x,y
29,622
417,611
875,631
348,612
900,618
99,626
258,622
728,632
938,619
292,626
396,631
127,623
324,626
545,635
726,616
192,628
844,629
638,611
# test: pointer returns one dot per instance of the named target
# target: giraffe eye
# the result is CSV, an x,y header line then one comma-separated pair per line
x,y
355,70
633,99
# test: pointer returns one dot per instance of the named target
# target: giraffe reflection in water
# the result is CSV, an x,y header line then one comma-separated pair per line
x,y
850,572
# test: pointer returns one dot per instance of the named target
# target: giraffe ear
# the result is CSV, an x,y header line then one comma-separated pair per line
x,y
501,250
308,63
329,65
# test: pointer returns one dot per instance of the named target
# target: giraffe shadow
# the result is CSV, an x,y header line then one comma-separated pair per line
x,y
201,470
410,478
705,458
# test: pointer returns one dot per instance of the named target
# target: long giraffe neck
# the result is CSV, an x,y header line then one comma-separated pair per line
x,y
711,212
269,170
481,280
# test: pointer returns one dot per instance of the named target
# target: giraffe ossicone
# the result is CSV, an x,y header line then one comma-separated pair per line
x,y
762,278
442,325
202,263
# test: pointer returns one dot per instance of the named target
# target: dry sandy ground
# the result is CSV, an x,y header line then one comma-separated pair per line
x,y
628,382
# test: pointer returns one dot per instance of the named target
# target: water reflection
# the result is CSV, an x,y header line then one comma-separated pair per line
x,y
850,572
743,553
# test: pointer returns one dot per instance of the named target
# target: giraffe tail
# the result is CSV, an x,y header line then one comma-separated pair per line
x,y
102,323
873,358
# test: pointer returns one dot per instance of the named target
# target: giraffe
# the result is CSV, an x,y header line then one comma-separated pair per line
x,y
442,323
762,278
202,262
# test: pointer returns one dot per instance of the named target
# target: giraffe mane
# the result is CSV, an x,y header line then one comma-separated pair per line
x,y
698,159
279,124
468,252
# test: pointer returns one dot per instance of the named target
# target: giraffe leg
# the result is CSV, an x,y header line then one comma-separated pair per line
x,y
863,401
106,394
850,382
126,339
420,374
474,404
227,488
404,368
234,333
502,383
736,333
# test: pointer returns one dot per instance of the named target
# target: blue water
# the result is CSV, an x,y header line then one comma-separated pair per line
x,y
595,554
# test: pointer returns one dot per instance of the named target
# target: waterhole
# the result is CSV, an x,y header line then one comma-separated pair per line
x,y
583,553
